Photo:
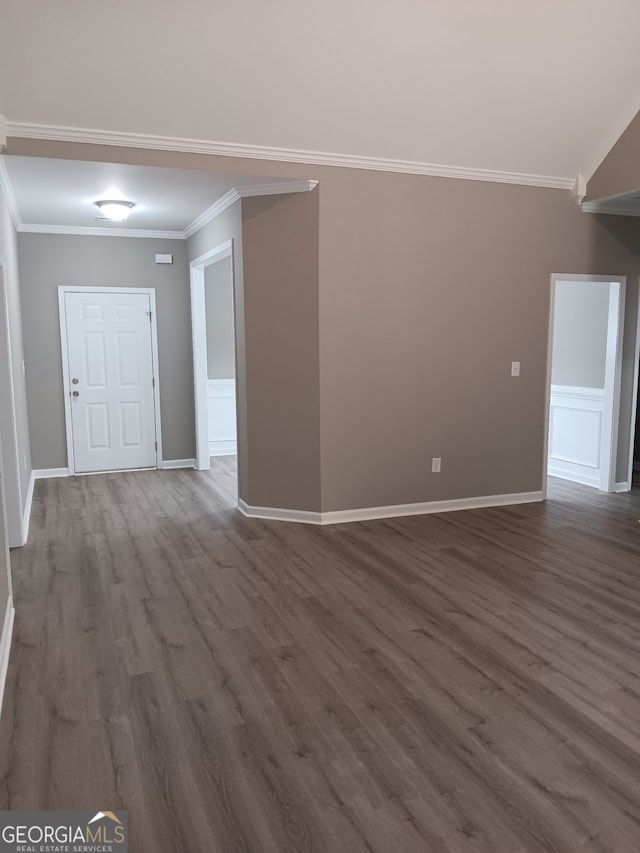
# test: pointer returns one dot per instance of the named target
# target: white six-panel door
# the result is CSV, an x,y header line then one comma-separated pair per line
x,y
110,380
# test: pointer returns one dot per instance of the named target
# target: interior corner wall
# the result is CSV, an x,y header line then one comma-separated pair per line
x,y
14,420
429,289
228,226
48,260
280,257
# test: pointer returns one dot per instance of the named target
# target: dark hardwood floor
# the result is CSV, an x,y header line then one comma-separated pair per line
x,y
461,682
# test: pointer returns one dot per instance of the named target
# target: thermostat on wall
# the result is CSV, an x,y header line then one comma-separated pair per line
x,y
164,259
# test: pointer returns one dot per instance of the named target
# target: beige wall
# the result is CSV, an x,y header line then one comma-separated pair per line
x,y
427,289
280,252
218,296
14,421
580,326
47,260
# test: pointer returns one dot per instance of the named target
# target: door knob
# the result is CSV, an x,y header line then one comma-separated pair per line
x,y
76,393
75,380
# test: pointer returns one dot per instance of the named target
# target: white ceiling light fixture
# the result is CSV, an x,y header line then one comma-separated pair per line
x,y
114,210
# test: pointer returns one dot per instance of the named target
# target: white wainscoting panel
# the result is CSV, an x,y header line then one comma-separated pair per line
x,y
575,433
221,400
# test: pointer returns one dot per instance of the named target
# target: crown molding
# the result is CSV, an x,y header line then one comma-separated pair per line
x,y
7,192
89,231
225,201
609,210
235,195
290,155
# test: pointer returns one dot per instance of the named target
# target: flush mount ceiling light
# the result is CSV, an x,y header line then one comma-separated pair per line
x,y
115,210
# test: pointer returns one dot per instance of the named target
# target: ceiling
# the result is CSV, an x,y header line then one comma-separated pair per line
x,y
533,87
60,195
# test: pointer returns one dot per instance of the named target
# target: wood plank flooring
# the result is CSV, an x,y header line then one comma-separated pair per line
x,y
440,684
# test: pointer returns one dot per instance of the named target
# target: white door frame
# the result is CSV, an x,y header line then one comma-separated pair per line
x,y
66,379
199,343
613,373
12,488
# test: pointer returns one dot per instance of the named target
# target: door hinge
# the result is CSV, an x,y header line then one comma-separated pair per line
x,y
149,315
153,381
156,445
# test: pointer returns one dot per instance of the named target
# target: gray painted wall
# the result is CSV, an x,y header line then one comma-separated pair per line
x,y
580,321
218,295
14,420
47,260
228,226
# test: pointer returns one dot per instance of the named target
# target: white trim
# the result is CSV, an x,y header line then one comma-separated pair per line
x,y
199,346
50,473
10,198
612,383
393,511
26,514
5,645
613,372
634,397
89,231
223,448
611,210
577,392
92,136
210,213
168,464
63,289
235,195
225,201
622,487
3,132
10,448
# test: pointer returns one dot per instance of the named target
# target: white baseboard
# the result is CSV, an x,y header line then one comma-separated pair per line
x,y
575,476
5,645
622,487
26,512
223,448
275,514
177,463
50,473
393,511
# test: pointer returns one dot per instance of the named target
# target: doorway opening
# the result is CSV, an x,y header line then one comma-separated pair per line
x,y
584,370
214,354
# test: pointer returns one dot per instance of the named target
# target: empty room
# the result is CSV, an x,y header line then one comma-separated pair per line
x,y
319,456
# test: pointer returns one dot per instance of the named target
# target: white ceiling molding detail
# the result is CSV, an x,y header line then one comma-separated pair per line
x,y
609,210
255,152
7,192
235,195
207,216
88,231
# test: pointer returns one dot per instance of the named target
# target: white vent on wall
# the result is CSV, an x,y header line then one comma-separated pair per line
x,y
164,259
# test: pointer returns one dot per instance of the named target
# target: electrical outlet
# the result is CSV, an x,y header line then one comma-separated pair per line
x,y
515,368
436,465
